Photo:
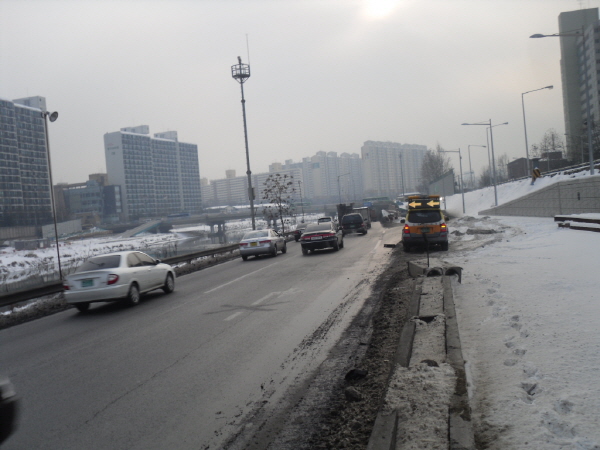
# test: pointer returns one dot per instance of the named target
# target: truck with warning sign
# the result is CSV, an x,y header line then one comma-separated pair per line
x,y
425,223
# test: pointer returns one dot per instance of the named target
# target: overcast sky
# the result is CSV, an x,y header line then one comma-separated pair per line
x,y
325,74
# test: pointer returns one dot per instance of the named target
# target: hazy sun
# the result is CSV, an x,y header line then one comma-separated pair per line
x,y
379,9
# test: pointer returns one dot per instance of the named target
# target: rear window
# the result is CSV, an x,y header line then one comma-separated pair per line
x,y
100,262
255,234
325,226
424,216
352,218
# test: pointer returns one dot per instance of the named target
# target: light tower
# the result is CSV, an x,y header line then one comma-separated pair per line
x,y
240,73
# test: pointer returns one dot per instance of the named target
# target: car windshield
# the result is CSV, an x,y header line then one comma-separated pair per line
x,y
256,234
100,262
325,226
424,216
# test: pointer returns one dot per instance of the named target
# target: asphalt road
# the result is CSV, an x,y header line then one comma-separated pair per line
x,y
185,370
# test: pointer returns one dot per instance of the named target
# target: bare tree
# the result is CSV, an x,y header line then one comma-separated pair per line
x,y
278,191
485,179
502,168
435,164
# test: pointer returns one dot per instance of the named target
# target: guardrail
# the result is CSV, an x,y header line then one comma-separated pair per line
x,y
54,287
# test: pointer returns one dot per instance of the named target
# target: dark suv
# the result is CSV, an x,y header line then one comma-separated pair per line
x,y
353,223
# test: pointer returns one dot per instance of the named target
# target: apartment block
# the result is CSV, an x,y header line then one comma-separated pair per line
x,y
25,194
158,175
579,64
388,166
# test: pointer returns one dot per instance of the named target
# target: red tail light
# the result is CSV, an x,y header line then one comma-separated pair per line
x,y
112,278
406,229
66,286
243,244
264,242
444,228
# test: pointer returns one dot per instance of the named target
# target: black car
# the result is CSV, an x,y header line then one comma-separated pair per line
x,y
354,223
299,230
321,235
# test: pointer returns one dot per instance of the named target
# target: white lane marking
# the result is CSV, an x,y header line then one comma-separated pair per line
x,y
237,279
266,297
233,316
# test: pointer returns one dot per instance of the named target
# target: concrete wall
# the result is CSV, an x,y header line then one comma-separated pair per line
x,y
17,232
581,195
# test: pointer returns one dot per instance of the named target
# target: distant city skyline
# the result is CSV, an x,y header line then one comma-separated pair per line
x,y
326,76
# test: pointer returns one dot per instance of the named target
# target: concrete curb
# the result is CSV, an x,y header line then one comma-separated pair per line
x,y
460,431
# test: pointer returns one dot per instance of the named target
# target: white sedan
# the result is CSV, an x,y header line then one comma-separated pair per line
x,y
117,276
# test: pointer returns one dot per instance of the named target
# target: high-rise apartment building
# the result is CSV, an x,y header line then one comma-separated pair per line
x,y
24,177
233,191
328,177
158,175
384,164
580,61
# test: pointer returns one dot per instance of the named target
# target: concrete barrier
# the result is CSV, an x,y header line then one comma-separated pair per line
x,y
576,196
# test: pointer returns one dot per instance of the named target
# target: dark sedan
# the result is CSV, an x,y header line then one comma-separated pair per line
x,y
299,230
321,235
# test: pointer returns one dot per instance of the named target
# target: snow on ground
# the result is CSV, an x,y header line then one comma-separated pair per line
x,y
527,309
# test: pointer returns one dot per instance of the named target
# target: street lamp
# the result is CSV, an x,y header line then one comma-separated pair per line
x,y
240,73
402,174
490,126
470,169
52,116
462,186
301,202
525,124
579,33
339,190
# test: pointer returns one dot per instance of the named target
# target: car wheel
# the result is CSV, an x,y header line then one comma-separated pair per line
x,y
445,246
284,249
304,251
82,307
245,257
406,247
342,243
336,245
133,297
366,231
274,251
169,285
296,238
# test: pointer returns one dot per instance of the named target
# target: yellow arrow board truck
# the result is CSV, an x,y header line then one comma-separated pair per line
x,y
425,223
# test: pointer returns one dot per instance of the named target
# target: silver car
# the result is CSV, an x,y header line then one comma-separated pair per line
x,y
117,276
262,242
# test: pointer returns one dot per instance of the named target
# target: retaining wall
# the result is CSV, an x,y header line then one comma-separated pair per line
x,y
576,196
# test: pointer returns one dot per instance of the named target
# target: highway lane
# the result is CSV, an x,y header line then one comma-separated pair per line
x,y
184,370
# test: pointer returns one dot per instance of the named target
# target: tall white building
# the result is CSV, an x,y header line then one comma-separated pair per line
x,y
328,177
158,175
386,163
24,175
580,62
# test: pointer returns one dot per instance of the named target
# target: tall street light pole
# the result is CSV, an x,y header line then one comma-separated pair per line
x,y
241,72
462,186
580,33
490,126
402,173
301,202
52,116
470,169
525,123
